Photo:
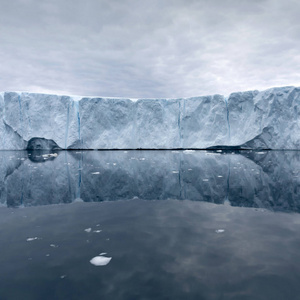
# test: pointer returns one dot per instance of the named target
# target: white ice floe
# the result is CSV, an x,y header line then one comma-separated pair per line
x,y
88,230
100,261
220,230
31,239
96,173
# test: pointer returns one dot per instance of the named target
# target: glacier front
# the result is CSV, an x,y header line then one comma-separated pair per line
x,y
253,120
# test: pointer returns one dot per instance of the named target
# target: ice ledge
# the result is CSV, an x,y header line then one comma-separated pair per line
x,y
253,120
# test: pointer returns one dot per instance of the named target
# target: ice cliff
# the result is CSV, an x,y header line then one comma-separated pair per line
x,y
268,119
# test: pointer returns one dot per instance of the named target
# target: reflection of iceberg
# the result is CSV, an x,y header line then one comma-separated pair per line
x,y
251,179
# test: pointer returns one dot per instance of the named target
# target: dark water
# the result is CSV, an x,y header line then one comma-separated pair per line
x,y
172,225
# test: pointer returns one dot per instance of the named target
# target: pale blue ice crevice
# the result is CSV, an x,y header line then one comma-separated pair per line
x,y
181,113
76,105
67,126
228,123
3,119
134,127
179,122
20,115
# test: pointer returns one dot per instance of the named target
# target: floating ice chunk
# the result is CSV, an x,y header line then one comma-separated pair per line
x,y
96,173
220,176
97,231
103,253
63,276
88,230
100,260
175,172
220,230
205,180
32,239
53,246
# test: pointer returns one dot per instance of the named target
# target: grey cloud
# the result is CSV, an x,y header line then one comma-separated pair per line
x,y
148,48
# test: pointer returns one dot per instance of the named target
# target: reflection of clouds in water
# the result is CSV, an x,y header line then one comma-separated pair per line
x,y
161,249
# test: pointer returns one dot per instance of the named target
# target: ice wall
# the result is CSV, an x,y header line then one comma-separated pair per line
x,y
268,119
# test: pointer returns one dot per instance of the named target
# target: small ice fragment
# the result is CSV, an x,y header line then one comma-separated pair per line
x,y
100,260
220,176
220,230
219,150
47,254
114,164
53,246
96,173
103,253
88,230
190,169
143,158
175,172
97,225
63,276
97,231
31,239
205,180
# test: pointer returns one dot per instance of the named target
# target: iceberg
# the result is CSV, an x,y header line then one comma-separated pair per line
x,y
252,120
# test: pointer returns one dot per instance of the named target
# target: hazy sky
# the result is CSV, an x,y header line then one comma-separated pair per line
x,y
148,48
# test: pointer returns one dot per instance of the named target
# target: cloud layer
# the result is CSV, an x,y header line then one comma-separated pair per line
x,y
148,48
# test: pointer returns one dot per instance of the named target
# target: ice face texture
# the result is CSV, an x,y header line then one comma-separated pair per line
x,y
253,119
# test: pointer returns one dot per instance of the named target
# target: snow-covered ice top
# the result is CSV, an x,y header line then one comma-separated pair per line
x,y
253,119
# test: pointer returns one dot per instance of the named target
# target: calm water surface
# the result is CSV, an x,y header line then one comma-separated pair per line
x,y
161,224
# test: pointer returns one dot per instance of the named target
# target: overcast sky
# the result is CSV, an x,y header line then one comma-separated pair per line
x,y
148,48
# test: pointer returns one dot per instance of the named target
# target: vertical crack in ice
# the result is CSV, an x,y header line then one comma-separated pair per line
x,y
228,124
76,104
3,120
179,122
67,126
20,115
